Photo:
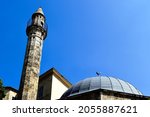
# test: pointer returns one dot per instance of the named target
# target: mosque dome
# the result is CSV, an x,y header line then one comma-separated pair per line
x,y
101,82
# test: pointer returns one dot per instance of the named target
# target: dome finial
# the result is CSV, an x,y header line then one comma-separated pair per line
x,y
98,73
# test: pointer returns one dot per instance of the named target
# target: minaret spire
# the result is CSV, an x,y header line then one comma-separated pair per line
x,y
36,31
40,10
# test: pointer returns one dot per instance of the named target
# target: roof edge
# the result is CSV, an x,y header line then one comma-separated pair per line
x,y
11,88
58,76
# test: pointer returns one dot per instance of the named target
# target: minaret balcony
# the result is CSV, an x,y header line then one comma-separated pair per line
x,y
39,24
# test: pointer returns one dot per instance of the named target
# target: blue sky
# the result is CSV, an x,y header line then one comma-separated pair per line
x,y
84,36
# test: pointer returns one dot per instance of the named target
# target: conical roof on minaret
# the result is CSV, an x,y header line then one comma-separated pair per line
x,y
39,11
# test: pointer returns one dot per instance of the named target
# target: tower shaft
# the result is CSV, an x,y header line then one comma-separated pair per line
x,y
31,68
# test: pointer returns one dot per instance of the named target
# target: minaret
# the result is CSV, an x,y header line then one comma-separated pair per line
x,y
36,31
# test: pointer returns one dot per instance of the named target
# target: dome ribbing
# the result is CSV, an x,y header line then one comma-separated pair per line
x,y
101,82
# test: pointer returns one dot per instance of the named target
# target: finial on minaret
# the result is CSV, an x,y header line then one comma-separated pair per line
x,y
40,11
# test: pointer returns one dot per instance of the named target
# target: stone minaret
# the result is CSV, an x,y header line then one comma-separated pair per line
x,y
36,32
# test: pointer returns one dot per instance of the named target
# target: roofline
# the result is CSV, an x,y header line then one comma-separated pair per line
x,y
11,88
100,90
58,76
124,93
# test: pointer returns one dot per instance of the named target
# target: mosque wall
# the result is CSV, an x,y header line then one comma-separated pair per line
x,y
10,95
44,88
112,96
58,88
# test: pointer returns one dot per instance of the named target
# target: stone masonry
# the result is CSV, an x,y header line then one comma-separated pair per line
x,y
36,32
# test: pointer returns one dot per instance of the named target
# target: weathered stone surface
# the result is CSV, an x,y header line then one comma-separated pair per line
x,y
30,73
